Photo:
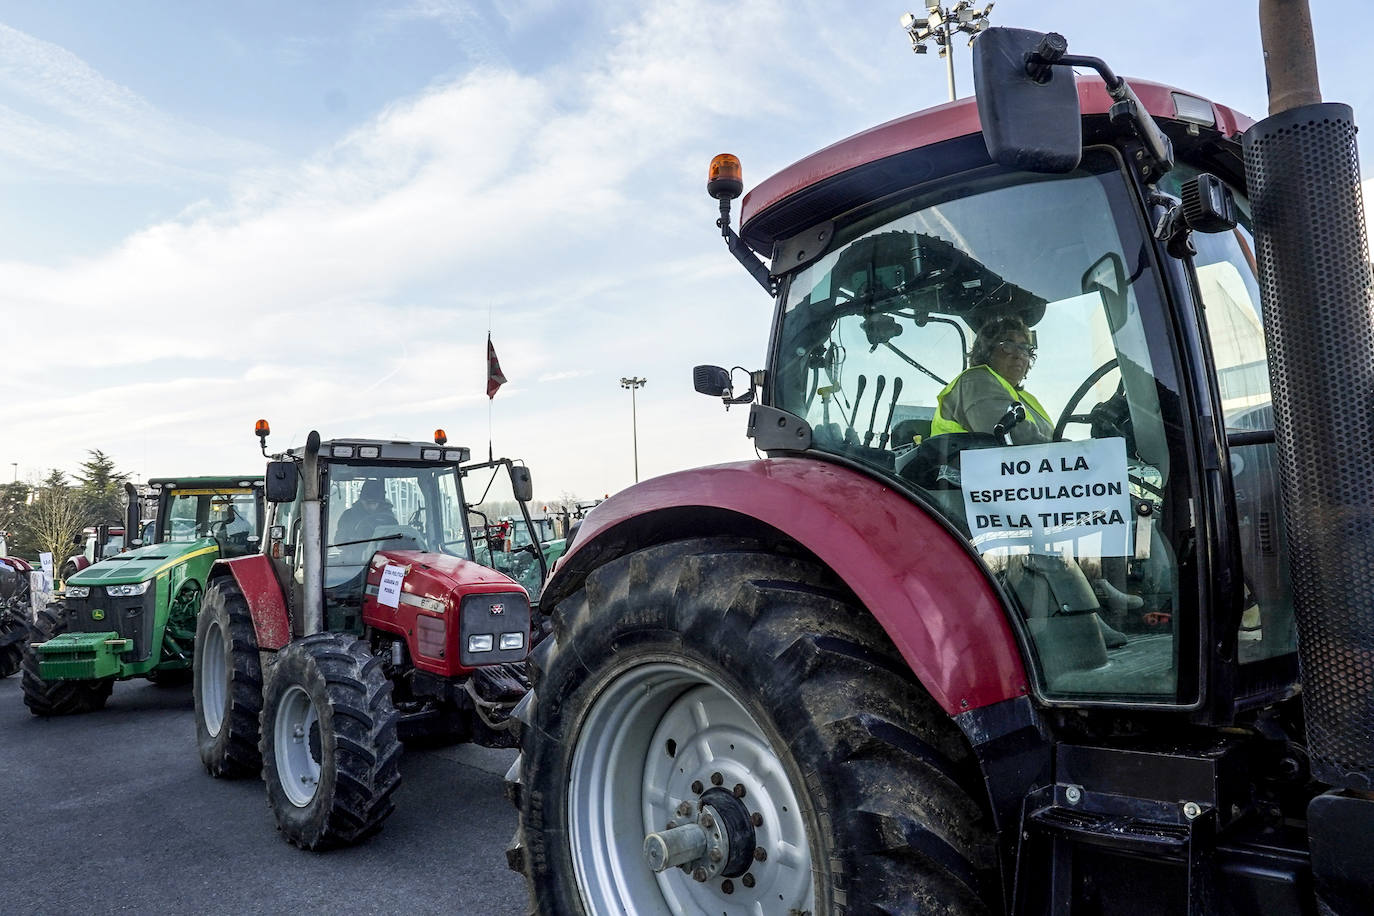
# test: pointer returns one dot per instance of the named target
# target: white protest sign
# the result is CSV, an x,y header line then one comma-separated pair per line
x,y
45,561
1061,497
389,590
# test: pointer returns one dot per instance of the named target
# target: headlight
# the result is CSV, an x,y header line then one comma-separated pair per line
x,y
78,591
127,591
479,642
512,640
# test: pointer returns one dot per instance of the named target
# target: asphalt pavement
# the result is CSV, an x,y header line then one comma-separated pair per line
x,y
113,812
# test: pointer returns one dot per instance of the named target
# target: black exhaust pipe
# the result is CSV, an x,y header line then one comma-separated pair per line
x,y
1302,172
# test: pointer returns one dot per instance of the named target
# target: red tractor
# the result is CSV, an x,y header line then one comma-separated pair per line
x,y
375,613
100,543
945,649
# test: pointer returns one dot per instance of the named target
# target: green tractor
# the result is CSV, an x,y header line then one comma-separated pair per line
x,y
134,614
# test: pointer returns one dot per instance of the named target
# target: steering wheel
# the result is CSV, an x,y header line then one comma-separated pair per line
x,y
1068,416
417,518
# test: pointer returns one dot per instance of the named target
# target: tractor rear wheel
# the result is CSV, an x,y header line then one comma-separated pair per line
x,y
742,699
330,752
58,698
226,680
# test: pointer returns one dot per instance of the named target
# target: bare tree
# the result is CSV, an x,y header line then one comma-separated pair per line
x,y
53,521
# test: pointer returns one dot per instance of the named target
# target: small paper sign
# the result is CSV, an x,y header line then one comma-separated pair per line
x,y
45,563
389,591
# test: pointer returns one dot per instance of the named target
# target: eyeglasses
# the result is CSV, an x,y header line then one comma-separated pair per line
x,y
1025,349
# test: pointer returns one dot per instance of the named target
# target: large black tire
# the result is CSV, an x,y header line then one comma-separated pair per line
x,y
226,677
57,698
330,752
14,635
859,789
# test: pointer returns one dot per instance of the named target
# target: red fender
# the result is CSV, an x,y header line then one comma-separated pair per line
x,y
918,580
266,602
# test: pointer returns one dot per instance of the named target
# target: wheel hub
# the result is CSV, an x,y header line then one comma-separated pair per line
x,y
721,826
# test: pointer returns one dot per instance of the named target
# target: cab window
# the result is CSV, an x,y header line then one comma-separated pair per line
x,y
995,345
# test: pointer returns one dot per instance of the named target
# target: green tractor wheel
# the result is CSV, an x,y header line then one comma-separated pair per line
x,y
58,698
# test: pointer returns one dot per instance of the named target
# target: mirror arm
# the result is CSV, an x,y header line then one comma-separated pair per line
x,y
743,253
1157,146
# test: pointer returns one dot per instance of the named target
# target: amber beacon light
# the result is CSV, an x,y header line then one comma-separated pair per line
x,y
725,180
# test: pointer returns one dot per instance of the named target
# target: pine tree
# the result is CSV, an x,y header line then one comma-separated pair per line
x,y
101,489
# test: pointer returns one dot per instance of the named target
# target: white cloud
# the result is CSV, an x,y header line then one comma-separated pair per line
x,y
61,116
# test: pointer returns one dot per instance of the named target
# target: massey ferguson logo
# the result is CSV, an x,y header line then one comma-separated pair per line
x,y
497,610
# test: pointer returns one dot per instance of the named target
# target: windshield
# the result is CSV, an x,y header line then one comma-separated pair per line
x,y
501,539
984,343
376,507
230,515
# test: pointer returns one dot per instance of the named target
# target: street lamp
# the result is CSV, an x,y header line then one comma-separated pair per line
x,y
15,465
940,25
633,384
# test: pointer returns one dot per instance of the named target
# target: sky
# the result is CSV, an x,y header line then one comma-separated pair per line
x,y
314,212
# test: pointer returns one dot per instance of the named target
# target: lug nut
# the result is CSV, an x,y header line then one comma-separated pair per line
x,y
699,875
717,855
760,854
727,886
747,880
737,791
717,779
708,821
684,809
697,787
757,819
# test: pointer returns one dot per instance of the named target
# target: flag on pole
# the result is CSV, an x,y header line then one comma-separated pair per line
x,y
494,377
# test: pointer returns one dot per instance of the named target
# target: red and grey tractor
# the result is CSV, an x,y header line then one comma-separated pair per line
x,y
97,542
904,665
15,612
375,612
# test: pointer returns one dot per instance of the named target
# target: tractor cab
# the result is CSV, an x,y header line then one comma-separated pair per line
x,y
1024,353
391,496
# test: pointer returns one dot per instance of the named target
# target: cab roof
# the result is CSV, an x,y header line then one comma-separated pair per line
x,y
389,450
221,480
925,128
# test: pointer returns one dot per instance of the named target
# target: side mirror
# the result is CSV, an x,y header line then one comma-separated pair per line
x,y
1030,121
521,484
282,481
1107,278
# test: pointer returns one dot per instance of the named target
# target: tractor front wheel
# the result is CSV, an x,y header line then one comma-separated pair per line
x,y
226,680
330,751
57,698
717,728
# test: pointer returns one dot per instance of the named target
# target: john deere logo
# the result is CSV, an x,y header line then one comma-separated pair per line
x,y
97,614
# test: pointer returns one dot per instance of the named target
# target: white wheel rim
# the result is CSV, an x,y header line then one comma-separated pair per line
x,y
624,785
298,770
214,679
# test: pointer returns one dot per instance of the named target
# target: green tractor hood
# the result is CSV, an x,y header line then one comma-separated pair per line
x,y
142,563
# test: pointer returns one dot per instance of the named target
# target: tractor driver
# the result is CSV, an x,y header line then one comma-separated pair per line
x,y
976,401
362,518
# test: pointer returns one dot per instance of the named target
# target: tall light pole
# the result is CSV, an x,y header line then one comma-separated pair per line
x,y
634,384
940,25
15,465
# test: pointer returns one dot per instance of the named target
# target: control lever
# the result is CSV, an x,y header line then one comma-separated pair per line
x,y
849,435
887,427
873,417
1015,414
